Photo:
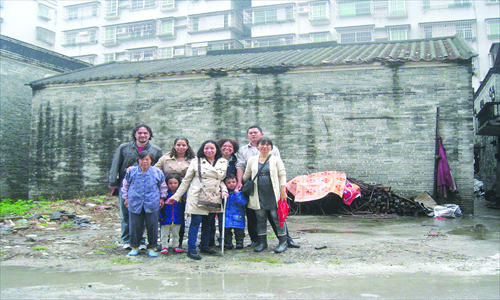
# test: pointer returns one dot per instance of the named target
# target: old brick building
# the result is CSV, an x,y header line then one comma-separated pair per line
x,y
22,63
366,109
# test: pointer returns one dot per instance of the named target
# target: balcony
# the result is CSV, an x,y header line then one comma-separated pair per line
x,y
488,119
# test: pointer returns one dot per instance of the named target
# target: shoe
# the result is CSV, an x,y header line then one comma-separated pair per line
x,y
229,246
164,251
126,247
291,244
282,245
178,250
142,247
262,244
152,253
194,255
239,245
208,251
134,252
253,244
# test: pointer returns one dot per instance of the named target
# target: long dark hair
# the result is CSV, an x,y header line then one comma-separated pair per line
x,y
189,152
201,153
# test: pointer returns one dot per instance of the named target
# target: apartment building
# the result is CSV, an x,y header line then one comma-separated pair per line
x,y
357,21
109,30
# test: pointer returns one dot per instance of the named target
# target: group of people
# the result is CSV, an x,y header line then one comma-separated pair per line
x,y
155,188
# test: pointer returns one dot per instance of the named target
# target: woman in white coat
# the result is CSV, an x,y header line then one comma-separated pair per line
x,y
270,187
213,170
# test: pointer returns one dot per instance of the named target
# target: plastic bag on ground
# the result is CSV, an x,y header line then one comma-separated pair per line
x,y
447,210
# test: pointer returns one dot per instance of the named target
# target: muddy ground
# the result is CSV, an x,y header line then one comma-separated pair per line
x,y
341,257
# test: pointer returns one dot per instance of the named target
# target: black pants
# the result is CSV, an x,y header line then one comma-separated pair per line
x,y
252,226
239,235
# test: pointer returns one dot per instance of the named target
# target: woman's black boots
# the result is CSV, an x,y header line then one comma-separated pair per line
x,y
283,244
262,243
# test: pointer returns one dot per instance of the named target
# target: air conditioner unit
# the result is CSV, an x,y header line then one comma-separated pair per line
x,y
303,9
179,52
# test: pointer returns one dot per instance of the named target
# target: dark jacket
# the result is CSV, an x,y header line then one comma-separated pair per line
x,y
235,211
126,156
172,214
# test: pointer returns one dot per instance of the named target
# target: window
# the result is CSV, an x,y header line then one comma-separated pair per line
x,y
352,8
44,12
109,57
319,11
141,54
397,8
81,37
82,11
320,37
269,14
466,29
167,28
111,8
492,1
397,33
139,4
45,35
440,4
493,27
120,33
167,4
355,34
87,58
166,52
271,41
210,22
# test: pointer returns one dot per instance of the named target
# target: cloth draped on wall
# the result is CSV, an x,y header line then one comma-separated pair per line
x,y
318,185
445,182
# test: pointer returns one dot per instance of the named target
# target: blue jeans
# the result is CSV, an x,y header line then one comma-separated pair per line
x,y
124,219
137,222
196,220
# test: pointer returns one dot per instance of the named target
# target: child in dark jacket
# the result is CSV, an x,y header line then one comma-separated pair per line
x,y
171,216
234,214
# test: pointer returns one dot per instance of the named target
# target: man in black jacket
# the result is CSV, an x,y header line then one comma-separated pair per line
x,y
125,157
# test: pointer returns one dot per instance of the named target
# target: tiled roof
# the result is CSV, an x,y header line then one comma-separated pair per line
x,y
276,59
29,53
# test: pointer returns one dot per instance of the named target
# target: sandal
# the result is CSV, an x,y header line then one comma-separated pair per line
x,y
164,250
178,250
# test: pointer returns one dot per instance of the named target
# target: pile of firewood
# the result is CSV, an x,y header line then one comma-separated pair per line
x,y
373,200
381,200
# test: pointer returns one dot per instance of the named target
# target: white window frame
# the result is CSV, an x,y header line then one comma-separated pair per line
x,y
109,57
394,33
319,11
111,9
44,11
359,7
168,4
465,28
82,11
270,14
496,25
164,23
80,37
45,35
142,54
210,22
318,37
359,33
142,4
167,52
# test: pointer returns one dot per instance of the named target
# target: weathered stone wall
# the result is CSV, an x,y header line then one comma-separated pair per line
x,y
375,123
15,112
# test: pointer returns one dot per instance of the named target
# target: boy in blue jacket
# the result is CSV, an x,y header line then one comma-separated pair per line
x,y
234,214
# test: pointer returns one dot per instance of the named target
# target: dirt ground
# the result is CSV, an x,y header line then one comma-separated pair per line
x,y
363,248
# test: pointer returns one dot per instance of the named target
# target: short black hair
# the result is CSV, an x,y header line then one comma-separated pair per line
x,y
265,140
230,176
145,126
254,126
142,155
173,176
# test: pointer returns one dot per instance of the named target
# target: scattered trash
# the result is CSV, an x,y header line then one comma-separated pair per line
x,y
61,214
433,232
447,210
320,247
31,237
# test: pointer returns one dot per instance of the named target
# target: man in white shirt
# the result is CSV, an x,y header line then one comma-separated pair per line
x,y
254,133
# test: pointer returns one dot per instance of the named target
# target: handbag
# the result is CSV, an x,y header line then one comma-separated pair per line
x,y
247,189
209,200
